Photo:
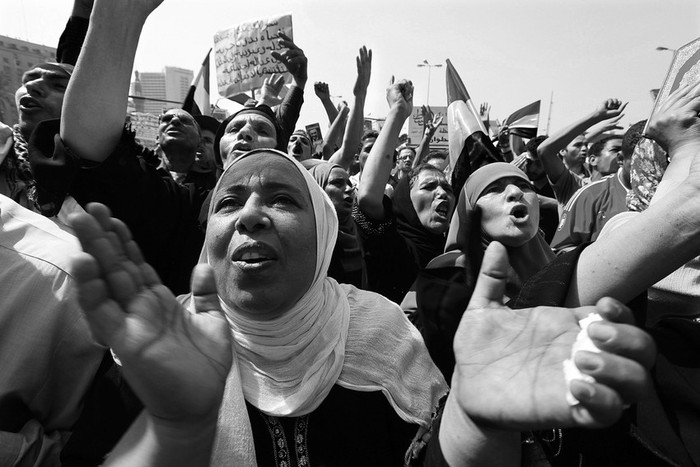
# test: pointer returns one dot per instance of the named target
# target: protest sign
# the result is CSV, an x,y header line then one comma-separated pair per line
x,y
415,128
145,125
314,132
243,54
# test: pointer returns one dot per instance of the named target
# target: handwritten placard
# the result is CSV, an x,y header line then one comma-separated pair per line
x,y
145,126
415,128
243,54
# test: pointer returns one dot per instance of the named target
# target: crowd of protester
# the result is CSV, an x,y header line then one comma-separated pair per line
x,y
233,296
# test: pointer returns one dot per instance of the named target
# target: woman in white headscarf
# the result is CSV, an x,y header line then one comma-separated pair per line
x,y
321,373
328,372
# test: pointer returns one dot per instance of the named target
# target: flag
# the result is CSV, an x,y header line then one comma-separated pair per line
x,y
197,100
524,122
469,144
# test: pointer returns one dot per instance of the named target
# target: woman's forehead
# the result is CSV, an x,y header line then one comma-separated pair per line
x,y
265,170
506,180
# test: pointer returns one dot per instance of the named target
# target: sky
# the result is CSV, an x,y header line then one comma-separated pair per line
x,y
509,53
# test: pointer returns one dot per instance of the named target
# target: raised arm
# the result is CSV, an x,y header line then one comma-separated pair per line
x,y
336,131
664,235
353,132
548,151
288,111
324,95
73,36
380,161
430,126
95,103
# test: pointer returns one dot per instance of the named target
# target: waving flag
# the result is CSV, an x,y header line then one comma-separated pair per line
x,y
197,100
524,122
470,146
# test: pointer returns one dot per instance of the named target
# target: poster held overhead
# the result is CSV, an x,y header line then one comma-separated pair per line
x,y
243,54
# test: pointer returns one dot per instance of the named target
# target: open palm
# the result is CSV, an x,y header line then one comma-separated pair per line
x,y
176,361
509,370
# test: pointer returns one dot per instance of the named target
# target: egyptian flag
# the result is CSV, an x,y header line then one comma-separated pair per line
x,y
524,122
197,100
470,146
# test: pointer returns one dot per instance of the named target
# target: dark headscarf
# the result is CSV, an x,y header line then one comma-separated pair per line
x,y
525,260
250,107
348,245
421,243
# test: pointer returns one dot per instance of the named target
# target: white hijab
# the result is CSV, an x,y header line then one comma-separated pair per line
x,y
335,334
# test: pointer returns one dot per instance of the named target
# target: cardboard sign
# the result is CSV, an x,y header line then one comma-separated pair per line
x,y
415,128
685,69
145,126
243,54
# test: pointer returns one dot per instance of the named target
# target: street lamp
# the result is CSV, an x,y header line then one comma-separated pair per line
x,y
661,48
427,64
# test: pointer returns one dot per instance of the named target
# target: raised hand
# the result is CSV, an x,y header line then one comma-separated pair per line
x,y
509,372
343,109
610,108
484,111
321,90
430,121
676,124
293,58
176,361
399,96
271,88
364,71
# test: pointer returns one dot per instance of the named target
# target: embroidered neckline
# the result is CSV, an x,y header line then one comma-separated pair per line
x,y
280,445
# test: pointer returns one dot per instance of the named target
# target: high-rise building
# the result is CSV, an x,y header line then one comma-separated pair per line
x,y
16,57
161,90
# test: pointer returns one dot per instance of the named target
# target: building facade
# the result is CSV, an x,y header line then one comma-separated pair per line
x,y
160,91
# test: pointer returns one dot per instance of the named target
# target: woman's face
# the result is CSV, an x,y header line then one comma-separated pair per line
x,y
261,237
341,192
510,211
244,133
433,201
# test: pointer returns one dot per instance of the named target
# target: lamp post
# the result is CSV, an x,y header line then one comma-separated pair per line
x,y
661,48
427,64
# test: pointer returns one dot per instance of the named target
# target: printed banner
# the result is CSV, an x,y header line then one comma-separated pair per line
x,y
243,54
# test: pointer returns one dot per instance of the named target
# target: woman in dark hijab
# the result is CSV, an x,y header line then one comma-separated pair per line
x,y
347,265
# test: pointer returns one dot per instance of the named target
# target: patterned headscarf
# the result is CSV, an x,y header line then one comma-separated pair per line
x,y
18,173
649,162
